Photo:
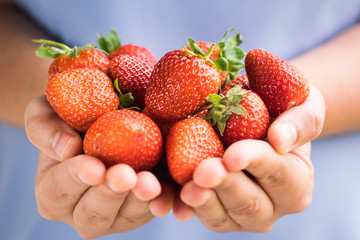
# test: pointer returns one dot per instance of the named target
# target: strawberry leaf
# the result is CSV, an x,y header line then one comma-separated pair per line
x,y
237,109
221,64
229,49
195,48
233,54
52,49
234,40
110,42
126,100
214,98
233,91
222,107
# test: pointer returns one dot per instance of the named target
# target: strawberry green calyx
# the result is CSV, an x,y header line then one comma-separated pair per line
x,y
231,54
220,64
110,42
221,107
51,49
230,50
196,50
125,99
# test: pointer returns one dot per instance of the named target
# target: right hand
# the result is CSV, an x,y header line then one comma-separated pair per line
x,y
77,189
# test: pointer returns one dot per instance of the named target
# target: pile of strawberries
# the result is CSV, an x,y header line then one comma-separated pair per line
x,y
190,105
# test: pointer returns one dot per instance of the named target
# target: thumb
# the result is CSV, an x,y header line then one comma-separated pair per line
x,y
298,125
48,132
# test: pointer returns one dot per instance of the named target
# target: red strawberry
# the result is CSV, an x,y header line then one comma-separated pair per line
x,y
241,80
239,114
189,142
125,136
279,84
182,79
66,58
133,74
111,43
179,85
80,96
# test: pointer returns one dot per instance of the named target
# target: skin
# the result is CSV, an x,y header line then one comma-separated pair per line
x,y
73,188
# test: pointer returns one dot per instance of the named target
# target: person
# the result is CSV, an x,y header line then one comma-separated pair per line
x,y
77,190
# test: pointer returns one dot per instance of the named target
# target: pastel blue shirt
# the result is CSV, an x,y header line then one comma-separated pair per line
x,y
286,28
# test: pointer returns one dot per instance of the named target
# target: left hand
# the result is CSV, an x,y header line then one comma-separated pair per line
x,y
257,182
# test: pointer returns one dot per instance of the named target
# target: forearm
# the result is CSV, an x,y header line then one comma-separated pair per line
x,y
334,68
23,75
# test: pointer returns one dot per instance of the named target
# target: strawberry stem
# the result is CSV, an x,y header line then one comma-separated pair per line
x,y
49,42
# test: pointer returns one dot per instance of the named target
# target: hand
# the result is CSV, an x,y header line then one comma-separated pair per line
x,y
79,190
257,182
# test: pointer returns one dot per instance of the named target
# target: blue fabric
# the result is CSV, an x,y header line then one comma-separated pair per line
x,y
285,28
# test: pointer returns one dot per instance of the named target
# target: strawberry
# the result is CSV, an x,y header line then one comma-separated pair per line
x,y
125,136
280,84
133,75
181,81
239,114
80,96
241,80
188,143
179,85
111,43
66,58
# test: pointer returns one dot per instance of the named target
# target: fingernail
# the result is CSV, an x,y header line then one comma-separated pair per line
x,y
115,185
60,143
288,136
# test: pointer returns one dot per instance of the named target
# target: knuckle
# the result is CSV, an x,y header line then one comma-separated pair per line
x,y
220,226
57,195
276,177
247,209
92,219
125,221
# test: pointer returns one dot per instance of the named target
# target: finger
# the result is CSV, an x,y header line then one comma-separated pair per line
x,y
182,211
135,211
208,209
242,198
299,124
210,173
98,207
287,179
161,205
147,187
59,188
49,133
